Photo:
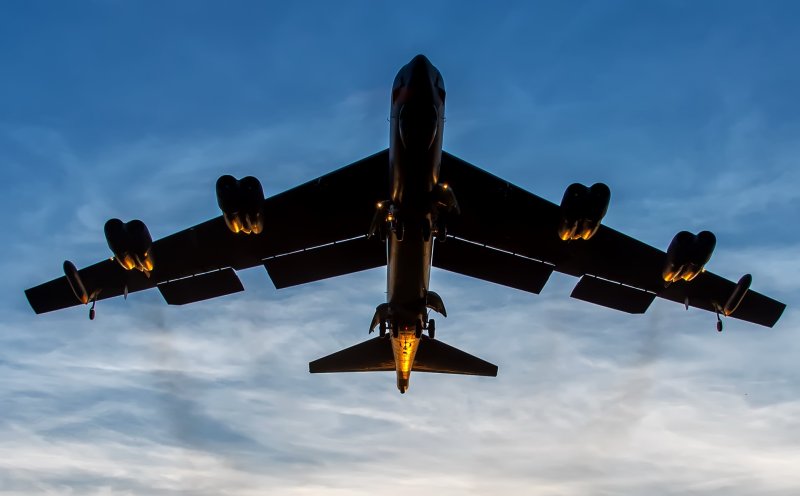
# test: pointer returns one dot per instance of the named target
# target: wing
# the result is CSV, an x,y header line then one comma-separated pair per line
x,y
312,232
514,234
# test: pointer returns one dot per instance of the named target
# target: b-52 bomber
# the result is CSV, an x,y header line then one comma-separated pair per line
x,y
409,208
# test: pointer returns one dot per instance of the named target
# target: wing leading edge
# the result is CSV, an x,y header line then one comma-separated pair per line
x,y
616,270
323,221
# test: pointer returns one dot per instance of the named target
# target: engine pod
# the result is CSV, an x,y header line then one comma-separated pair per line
x,y
241,202
582,210
687,255
131,244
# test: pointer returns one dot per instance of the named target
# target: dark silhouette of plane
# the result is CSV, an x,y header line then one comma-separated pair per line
x,y
409,207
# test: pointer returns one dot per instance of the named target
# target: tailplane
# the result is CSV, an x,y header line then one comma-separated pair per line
x,y
436,356
373,355
376,355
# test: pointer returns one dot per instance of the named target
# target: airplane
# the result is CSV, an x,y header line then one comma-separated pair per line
x,y
410,207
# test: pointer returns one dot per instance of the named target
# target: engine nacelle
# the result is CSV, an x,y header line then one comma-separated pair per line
x,y
242,204
131,244
582,210
687,255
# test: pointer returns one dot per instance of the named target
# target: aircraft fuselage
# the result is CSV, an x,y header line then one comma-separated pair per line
x,y
415,153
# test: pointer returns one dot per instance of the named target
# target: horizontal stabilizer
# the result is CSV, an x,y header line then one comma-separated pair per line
x,y
435,356
373,355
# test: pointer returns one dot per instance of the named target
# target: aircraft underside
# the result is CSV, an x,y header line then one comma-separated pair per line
x,y
409,208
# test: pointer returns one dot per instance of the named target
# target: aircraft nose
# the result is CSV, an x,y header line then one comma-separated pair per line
x,y
420,60
420,69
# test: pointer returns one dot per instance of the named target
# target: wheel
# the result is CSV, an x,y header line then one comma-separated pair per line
x,y
399,230
418,329
382,328
432,329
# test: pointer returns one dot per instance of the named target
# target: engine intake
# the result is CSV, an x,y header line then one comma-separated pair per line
x,y
131,244
242,204
582,209
687,255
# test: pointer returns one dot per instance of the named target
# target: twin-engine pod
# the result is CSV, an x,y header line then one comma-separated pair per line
x,y
582,209
131,244
687,255
242,204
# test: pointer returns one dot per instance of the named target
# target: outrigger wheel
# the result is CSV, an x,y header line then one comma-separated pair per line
x,y
432,329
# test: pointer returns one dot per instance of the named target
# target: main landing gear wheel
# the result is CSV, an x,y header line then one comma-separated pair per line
x,y
432,329
382,329
418,329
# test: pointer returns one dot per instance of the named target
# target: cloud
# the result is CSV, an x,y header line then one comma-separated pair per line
x,y
218,397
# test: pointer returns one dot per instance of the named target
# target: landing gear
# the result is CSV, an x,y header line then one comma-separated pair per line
x,y
719,323
418,329
432,329
91,309
382,329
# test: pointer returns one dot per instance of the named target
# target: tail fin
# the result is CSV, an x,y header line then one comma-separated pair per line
x,y
436,356
370,356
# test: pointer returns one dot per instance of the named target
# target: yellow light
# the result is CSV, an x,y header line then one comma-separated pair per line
x,y
445,186
390,217
127,262
405,347
380,204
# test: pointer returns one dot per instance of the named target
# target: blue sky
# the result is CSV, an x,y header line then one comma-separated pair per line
x,y
688,110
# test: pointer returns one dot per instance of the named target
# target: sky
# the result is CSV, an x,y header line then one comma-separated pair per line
x,y
115,108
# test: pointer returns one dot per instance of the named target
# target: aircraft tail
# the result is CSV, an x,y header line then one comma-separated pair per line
x,y
376,355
